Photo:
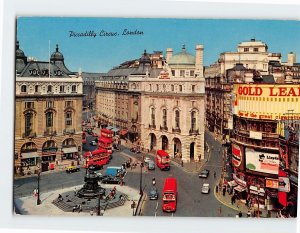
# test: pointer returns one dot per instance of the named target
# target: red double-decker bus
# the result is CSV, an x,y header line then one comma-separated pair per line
x,y
162,160
97,158
106,133
105,143
170,195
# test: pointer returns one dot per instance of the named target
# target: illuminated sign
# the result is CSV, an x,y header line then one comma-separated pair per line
x,y
270,91
236,155
272,183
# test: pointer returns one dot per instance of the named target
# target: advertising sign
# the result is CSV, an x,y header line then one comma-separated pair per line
x,y
284,184
261,161
271,183
236,155
255,135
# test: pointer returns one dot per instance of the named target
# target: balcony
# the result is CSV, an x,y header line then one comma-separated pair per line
x,y
194,131
50,132
29,134
163,128
176,130
69,131
152,126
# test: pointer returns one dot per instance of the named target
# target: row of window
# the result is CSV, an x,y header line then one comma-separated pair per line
x,y
49,104
177,119
184,73
24,89
158,87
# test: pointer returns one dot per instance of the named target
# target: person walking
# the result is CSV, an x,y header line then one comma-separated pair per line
x,y
215,174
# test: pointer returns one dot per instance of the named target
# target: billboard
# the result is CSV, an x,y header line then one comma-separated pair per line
x,y
236,155
260,161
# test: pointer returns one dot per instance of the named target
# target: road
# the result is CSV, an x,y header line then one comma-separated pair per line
x,y
191,202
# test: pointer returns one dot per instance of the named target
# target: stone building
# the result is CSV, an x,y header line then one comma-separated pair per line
x,y
48,112
159,101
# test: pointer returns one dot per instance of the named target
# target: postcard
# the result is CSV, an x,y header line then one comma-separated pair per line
x,y
156,117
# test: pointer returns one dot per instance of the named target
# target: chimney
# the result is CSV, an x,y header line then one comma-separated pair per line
x,y
199,61
291,58
169,54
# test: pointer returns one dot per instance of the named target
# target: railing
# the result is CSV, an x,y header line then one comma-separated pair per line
x,y
29,134
152,126
163,128
50,132
69,131
176,130
194,131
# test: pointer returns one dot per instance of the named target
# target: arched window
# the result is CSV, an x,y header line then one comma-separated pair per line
x,y
68,118
152,116
177,119
61,89
49,119
193,121
73,88
150,86
172,87
28,123
180,88
36,88
49,88
164,118
23,88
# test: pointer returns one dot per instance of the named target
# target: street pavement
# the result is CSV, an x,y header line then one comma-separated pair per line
x,y
191,202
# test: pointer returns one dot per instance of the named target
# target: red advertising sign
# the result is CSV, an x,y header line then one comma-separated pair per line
x,y
236,155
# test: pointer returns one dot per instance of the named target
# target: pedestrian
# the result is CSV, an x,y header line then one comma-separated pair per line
x,y
232,201
181,163
220,210
240,214
215,174
91,213
224,191
249,214
217,189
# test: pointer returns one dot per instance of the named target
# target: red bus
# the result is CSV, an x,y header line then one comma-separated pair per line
x,y
106,133
105,143
170,195
83,137
162,160
98,158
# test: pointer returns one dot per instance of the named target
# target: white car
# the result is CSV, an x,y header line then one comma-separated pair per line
x,y
93,143
147,159
205,188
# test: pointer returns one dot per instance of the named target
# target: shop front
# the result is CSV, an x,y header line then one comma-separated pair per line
x,y
69,149
240,189
49,151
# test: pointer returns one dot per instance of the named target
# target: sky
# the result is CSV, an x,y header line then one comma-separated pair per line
x,y
101,53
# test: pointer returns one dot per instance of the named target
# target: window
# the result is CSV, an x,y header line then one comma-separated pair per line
x,y
193,121
255,49
177,119
49,88
36,88
164,118
152,116
180,88
172,87
23,88
173,72
150,86
28,123
69,103
50,104
181,73
68,119
193,88
192,73
49,119
73,88
61,89
246,49
157,87
29,105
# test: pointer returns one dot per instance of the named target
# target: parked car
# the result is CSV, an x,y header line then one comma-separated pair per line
x,y
153,194
95,168
204,173
108,179
72,168
151,165
93,143
205,188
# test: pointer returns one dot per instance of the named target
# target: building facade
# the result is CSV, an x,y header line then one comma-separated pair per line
x,y
264,144
160,102
48,113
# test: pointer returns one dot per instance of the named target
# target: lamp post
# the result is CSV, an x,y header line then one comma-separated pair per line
x,y
38,202
258,191
98,209
141,173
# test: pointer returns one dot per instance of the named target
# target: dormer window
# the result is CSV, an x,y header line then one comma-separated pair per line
x,y
24,88
255,49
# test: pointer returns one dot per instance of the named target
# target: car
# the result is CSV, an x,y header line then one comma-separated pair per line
x,y
93,143
204,173
205,188
95,168
147,159
108,179
153,194
72,168
151,165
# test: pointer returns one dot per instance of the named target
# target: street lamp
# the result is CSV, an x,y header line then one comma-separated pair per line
x,y
99,210
141,173
258,191
38,202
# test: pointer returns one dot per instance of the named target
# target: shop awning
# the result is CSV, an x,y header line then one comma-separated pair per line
x,y
232,183
69,150
239,188
29,155
123,132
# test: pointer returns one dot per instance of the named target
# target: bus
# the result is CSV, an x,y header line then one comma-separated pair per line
x,y
162,160
97,158
170,195
106,133
105,143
